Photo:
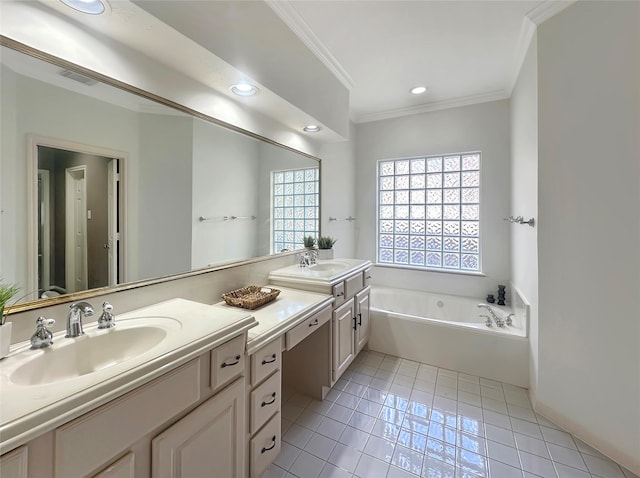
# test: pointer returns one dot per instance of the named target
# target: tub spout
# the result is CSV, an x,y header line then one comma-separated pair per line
x,y
499,322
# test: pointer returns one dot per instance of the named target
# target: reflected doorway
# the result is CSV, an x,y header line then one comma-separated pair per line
x,y
78,220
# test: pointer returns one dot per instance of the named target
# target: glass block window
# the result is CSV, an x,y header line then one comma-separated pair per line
x,y
295,211
429,212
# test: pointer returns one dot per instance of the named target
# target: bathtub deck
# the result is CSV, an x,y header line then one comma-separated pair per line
x,y
393,418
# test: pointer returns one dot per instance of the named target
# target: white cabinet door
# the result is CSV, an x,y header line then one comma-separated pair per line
x,y
343,338
122,468
207,442
362,317
14,464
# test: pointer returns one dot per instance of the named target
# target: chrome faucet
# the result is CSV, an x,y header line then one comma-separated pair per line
x,y
499,322
74,318
313,257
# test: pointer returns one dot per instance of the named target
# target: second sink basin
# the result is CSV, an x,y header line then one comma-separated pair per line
x,y
96,350
329,266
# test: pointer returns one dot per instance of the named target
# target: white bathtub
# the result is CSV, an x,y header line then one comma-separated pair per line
x,y
447,331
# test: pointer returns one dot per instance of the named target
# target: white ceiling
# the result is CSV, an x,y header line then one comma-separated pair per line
x,y
463,51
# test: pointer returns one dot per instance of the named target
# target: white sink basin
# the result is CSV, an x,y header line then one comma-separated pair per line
x,y
329,267
94,351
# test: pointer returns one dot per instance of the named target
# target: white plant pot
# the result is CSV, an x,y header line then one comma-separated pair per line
x,y
324,254
5,338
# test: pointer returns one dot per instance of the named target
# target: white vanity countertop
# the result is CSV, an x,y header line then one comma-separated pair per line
x,y
291,307
27,411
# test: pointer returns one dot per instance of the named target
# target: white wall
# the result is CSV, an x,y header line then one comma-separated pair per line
x,y
225,183
483,127
164,188
524,196
338,195
589,227
9,176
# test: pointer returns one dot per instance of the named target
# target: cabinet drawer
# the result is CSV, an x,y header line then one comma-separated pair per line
x,y
124,421
353,285
306,328
265,447
266,361
227,361
366,277
265,402
338,293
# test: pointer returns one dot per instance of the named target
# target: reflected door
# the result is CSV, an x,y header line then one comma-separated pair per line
x,y
76,229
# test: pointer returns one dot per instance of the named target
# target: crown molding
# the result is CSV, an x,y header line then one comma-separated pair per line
x,y
548,9
435,106
543,12
288,14
527,32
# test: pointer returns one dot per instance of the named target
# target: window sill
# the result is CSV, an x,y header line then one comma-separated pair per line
x,y
425,269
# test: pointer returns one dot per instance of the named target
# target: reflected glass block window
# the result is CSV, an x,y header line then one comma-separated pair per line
x,y
295,207
429,212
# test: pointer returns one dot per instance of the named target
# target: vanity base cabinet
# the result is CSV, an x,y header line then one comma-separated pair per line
x,y
344,328
207,442
363,330
180,424
350,331
264,390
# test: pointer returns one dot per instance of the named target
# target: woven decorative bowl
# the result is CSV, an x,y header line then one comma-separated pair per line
x,y
250,297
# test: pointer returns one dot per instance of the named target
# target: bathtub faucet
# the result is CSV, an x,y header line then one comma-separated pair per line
x,y
499,322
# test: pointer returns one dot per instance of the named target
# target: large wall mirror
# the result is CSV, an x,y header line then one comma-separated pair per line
x,y
102,187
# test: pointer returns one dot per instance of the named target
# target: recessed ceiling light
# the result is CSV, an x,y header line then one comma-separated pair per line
x,y
418,90
312,128
244,89
92,7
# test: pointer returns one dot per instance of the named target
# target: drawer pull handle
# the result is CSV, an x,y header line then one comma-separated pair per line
x,y
314,323
368,277
273,359
341,293
225,364
271,447
359,319
273,399
355,323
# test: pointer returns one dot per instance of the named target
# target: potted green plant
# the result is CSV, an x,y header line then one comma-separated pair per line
x,y
325,246
7,291
309,242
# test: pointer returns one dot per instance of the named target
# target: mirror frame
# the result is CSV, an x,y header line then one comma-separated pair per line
x,y
32,219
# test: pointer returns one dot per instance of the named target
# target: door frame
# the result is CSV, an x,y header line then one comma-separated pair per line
x,y
33,142
44,226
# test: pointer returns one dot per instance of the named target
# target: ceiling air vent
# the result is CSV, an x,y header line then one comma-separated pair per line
x,y
72,75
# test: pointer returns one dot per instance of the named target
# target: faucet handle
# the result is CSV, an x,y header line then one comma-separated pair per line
x,y
44,322
107,319
42,336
